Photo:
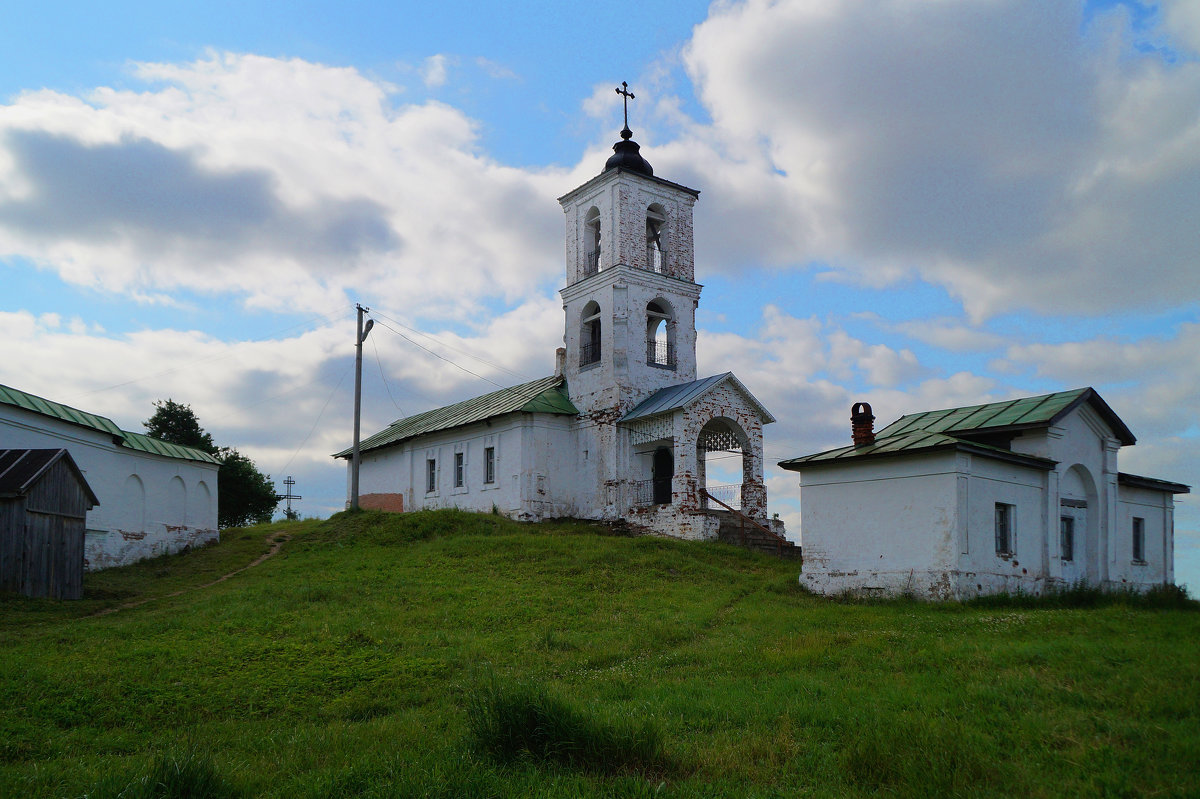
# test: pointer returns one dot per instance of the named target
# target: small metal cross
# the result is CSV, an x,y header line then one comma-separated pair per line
x,y
628,95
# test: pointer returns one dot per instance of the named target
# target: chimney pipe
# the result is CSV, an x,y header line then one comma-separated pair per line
x,y
560,361
862,424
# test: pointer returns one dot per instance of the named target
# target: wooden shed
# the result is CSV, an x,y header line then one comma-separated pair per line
x,y
44,501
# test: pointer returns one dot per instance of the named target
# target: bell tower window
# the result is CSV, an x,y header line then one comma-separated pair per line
x,y
656,251
660,334
591,241
589,335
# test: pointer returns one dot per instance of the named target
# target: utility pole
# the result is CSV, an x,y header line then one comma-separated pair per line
x,y
358,342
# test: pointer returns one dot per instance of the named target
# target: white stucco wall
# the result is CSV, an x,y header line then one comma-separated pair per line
x,y
1157,510
886,526
149,504
538,468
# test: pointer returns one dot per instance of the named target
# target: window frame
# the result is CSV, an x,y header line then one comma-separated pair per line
x,y
1005,530
460,468
430,475
489,465
1066,543
1139,539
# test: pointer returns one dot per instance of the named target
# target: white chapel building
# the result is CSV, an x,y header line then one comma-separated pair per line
x,y
1012,496
620,431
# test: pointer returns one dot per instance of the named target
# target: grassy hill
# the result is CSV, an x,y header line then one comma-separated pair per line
x,y
450,654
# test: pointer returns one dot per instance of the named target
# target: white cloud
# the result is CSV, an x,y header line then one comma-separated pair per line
x,y
286,183
985,146
433,71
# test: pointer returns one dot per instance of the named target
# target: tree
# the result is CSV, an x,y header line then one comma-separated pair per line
x,y
177,423
244,494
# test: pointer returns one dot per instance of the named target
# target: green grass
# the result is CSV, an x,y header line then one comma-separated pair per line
x,y
454,654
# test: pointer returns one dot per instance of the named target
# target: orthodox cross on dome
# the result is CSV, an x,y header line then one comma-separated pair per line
x,y
627,96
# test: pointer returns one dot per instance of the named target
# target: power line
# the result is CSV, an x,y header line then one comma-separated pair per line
x,y
315,423
384,378
468,353
215,357
442,357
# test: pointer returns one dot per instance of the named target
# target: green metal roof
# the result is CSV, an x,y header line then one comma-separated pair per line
x,y
1017,414
548,395
909,444
123,438
56,410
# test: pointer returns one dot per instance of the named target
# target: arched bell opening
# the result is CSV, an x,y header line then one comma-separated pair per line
x,y
590,334
660,334
591,241
656,228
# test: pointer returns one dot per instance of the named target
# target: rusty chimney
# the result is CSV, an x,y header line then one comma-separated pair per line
x,y
862,424
560,361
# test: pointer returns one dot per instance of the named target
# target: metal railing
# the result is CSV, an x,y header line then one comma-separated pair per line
x,y
728,495
655,491
589,353
593,263
660,353
656,259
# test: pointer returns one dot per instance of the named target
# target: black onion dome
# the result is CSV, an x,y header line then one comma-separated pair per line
x,y
627,155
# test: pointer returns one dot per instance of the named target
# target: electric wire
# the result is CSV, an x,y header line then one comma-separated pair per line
x,y
468,353
329,399
226,353
383,377
442,357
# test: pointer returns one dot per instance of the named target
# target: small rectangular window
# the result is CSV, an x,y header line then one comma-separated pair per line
x,y
1139,539
1004,529
458,470
489,465
1066,536
431,475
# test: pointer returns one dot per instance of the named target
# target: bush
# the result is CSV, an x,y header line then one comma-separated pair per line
x,y
524,722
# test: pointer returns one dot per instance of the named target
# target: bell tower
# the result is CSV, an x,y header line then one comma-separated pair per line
x,y
631,295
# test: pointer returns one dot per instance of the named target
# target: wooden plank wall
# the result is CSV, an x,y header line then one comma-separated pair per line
x,y
41,539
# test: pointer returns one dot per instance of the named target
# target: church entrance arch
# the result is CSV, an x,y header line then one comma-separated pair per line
x,y
1078,528
723,462
662,470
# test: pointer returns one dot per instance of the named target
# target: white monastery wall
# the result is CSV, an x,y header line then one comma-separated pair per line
x,y
150,505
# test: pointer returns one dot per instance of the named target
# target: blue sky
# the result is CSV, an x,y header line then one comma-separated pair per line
x,y
918,205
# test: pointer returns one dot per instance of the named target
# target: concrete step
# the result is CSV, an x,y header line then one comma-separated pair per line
x,y
733,531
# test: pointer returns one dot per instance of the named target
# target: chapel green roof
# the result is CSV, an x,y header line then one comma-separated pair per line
x,y
547,395
911,443
122,438
955,427
1010,415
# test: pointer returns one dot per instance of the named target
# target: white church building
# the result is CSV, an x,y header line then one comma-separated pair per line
x,y
622,429
1009,496
155,498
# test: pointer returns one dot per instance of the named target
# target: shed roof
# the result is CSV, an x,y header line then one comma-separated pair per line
x,y
547,395
674,397
122,438
20,469
1016,414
